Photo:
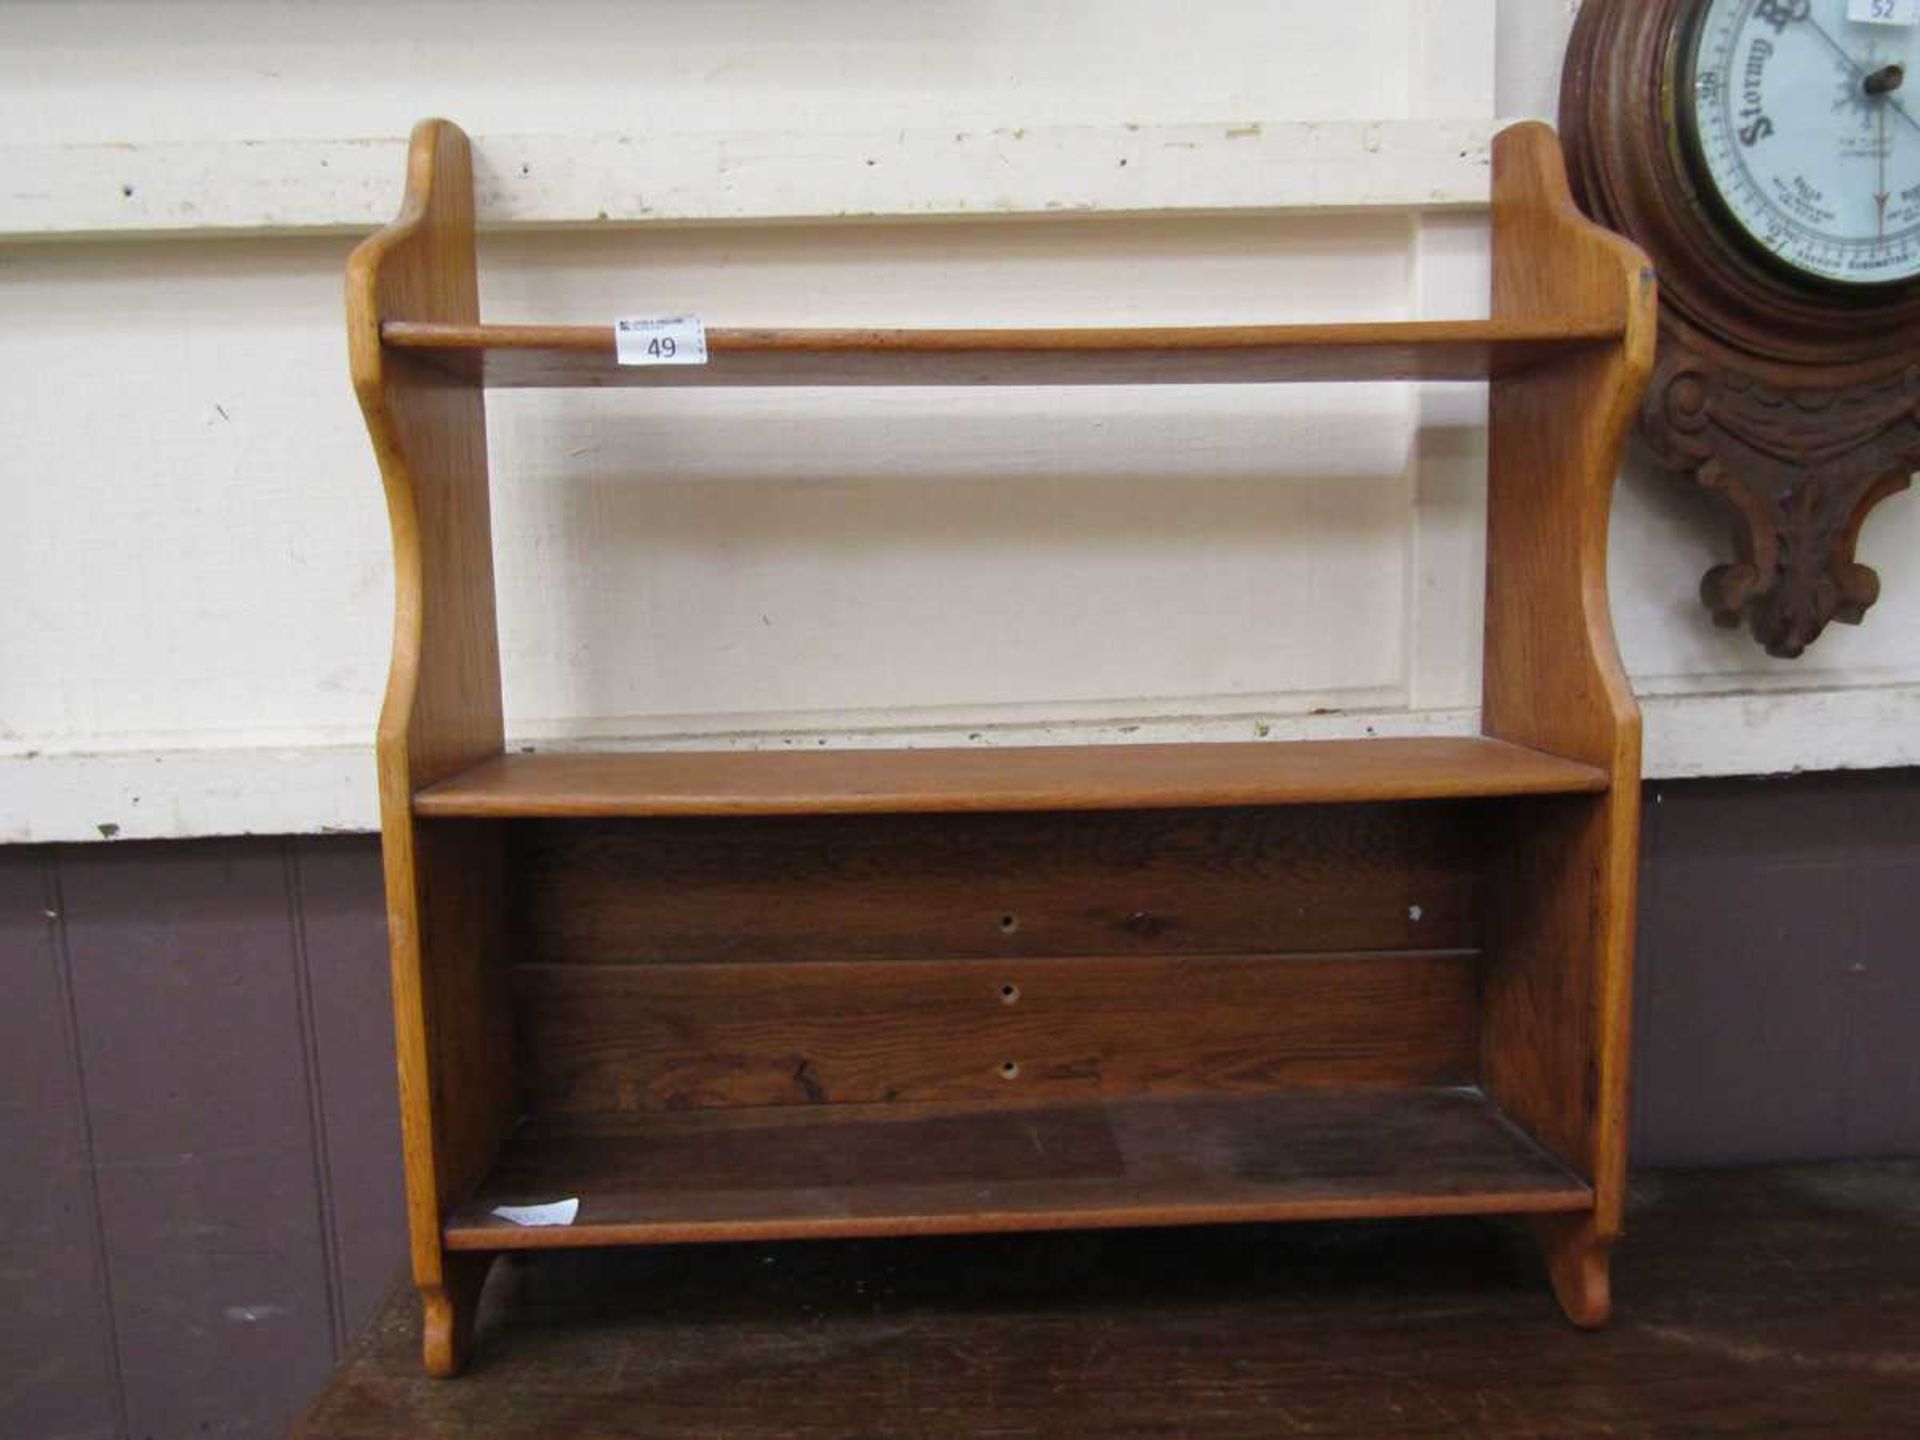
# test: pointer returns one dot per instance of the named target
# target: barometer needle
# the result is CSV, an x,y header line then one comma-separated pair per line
x,y
1859,70
1880,194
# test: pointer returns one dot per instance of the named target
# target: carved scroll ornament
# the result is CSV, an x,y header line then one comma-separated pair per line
x,y
1798,468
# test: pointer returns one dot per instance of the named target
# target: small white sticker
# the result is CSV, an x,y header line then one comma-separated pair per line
x,y
1884,12
660,340
560,1212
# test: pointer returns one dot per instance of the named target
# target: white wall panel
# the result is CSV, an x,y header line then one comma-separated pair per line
x,y
345,186
109,71
766,559
194,554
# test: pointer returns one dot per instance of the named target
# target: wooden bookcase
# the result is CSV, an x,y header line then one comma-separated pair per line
x,y
722,996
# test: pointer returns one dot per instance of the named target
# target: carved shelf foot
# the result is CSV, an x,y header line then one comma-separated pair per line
x,y
1577,1264
448,1310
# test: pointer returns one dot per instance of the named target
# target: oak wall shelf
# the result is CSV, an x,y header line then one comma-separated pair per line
x,y
720,995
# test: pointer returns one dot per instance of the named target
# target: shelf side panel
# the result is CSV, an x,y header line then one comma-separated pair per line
x,y
1561,888
442,708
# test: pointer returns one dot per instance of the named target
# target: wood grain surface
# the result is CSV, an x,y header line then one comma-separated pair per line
x,y
816,1171
1561,885
892,887
441,713
1095,777
607,1038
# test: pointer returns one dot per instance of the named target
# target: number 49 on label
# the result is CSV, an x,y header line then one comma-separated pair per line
x,y
660,340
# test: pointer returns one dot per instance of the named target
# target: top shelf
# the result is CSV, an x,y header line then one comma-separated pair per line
x,y
531,356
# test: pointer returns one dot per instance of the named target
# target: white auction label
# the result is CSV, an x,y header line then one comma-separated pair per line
x,y
558,1212
660,340
1884,12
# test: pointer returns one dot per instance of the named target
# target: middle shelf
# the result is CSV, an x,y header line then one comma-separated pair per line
x,y
1067,777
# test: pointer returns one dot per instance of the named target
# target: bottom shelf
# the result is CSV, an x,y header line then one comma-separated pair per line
x,y
793,1172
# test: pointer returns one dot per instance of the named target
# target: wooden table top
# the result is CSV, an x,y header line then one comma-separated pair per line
x,y
1783,1300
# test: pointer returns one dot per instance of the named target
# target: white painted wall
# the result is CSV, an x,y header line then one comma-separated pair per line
x,y
198,582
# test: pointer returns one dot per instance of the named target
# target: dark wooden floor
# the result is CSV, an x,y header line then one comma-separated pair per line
x,y
1770,1301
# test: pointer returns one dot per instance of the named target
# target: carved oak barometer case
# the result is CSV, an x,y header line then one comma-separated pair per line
x,y
1766,154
